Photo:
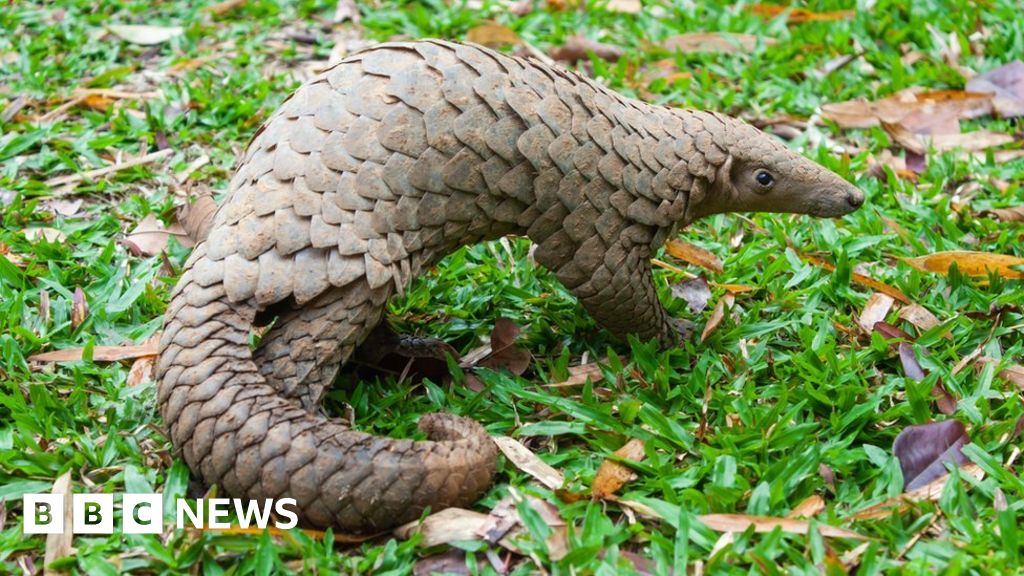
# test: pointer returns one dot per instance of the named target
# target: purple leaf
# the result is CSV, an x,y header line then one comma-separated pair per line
x,y
696,293
923,451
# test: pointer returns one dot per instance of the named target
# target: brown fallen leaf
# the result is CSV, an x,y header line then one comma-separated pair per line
x,y
579,375
742,522
695,292
693,254
923,451
1013,214
1013,374
346,10
492,35
102,353
718,42
861,279
79,308
443,527
875,310
944,401
969,263
974,141
525,460
150,236
453,561
504,352
612,475
51,235
800,15
145,35
222,8
919,316
929,492
717,315
196,217
896,107
1007,84
141,371
624,6
59,545
578,48
808,507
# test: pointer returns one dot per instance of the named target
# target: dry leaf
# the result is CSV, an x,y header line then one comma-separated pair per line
x,y
693,254
721,42
726,301
578,375
808,507
625,6
1013,374
141,371
612,475
861,279
448,525
932,491
453,561
1007,84
919,316
346,10
222,8
742,522
102,353
196,217
875,310
145,35
59,545
800,15
1014,214
79,308
492,35
923,451
944,401
525,460
969,263
696,292
578,48
897,107
51,235
974,141
150,237
504,353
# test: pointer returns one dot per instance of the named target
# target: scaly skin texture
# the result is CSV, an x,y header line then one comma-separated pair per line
x,y
373,172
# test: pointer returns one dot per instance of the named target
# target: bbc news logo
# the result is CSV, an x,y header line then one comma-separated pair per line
x,y
144,513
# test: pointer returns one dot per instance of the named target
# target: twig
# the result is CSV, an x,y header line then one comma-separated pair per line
x,y
90,174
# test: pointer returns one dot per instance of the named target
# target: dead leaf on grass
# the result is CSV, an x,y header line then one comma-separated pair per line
x,y
923,451
612,475
448,525
808,507
624,6
79,308
693,254
761,524
929,492
718,42
861,279
102,353
800,15
525,460
145,35
346,10
875,310
717,315
196,217
141,371
150,237
919,316
969,263
492,35
579,375
59,545
504,352
695,292
1013,214
1007,84
896,107
944,401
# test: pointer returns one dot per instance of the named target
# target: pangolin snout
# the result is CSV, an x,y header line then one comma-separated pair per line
x,y
855,197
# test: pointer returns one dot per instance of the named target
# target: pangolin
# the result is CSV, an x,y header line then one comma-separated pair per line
x,y
371,173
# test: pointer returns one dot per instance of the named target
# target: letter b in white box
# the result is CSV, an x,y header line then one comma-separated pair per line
x,y
44,513
92,513
143,513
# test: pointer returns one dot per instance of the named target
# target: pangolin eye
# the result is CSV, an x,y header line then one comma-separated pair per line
x,y
764,178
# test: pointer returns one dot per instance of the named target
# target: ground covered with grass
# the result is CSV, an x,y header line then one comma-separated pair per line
x,y
823,339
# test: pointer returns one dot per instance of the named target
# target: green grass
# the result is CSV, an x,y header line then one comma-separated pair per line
x,y
784,390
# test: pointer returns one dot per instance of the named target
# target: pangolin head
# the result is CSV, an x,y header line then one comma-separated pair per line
x,y
763,175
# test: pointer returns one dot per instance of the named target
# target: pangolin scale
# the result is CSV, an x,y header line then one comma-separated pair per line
x,y
371,173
